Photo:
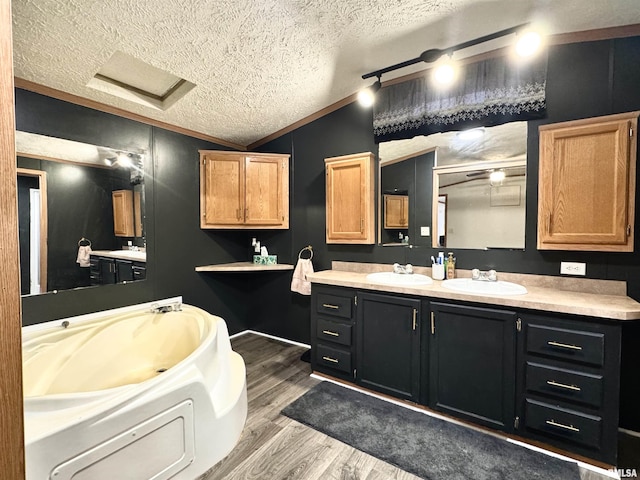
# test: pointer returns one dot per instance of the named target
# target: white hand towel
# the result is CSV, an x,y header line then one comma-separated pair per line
x,y
84,253
299,282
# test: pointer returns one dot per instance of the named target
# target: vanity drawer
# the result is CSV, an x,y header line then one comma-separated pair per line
x,y
561,423
334,305
333,358
564,384
333,332
572,345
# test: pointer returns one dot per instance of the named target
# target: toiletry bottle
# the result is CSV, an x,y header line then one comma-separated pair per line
x,y
451,266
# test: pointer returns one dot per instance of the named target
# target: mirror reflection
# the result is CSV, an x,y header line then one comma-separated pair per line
x,y
80,214
414,165
480,206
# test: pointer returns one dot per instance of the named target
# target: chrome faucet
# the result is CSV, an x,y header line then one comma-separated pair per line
x,y
406,269
484,276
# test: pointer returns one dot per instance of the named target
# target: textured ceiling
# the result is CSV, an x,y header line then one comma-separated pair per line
x,y
260,66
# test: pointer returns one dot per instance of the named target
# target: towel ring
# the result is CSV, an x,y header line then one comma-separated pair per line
x,y
308,248
87,244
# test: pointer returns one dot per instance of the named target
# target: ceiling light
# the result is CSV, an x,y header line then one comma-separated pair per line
x,y
367,96
124,160
528,44
496,176
471,134
445,74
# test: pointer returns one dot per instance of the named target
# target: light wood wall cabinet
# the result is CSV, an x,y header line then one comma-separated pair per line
x,y
586,189
396,211
350,198
240,190
123,225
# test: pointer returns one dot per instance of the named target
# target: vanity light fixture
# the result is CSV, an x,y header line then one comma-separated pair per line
x,y
445,73
434,54
528,44
367,96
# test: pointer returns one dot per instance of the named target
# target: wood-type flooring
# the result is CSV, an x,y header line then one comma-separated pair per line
x,y
274,447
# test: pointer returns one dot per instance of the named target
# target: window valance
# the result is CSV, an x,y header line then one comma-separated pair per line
x,y
486,93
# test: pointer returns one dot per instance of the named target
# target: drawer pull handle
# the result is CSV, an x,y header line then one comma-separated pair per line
x,y
329,359
564,345
553,423
553,383
328,305
329,332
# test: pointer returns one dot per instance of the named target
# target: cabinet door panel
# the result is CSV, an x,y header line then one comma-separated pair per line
x,y
349,199
388,357
587,184
264,190
222,190
122,213
472,364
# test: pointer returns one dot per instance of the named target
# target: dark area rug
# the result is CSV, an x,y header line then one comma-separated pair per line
x,y
425,446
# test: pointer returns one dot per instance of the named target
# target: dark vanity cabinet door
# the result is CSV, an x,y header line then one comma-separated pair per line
x,y
108,271
124,270
388,346
472,364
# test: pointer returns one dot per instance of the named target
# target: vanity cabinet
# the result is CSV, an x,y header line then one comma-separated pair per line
x,y
332,331
350,199
388,344
123,221
396,211
569,384
586,185
472,363
240,190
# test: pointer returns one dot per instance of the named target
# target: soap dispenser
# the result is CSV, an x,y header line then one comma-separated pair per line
x,y
451,266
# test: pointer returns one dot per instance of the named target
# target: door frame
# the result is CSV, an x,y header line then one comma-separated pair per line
x,y
44,222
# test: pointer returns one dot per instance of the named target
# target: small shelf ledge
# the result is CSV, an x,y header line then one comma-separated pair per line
x,y
243,267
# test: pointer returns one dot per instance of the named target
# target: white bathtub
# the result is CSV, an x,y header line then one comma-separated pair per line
x,y
130,394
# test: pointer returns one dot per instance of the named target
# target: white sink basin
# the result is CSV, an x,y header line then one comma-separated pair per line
x,y
480,287
399,279
130,254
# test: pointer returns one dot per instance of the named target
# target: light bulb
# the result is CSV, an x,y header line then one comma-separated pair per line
x,y
528,44
444,74
366,97
471,134
496,176
124,160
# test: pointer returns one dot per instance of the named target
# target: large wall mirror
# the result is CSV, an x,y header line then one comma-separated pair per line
x,y
465,189
81,212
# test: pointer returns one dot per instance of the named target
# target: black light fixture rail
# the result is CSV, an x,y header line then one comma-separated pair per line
x,y
431,55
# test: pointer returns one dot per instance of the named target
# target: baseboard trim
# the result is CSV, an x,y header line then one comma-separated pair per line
x,y
633,433
272,337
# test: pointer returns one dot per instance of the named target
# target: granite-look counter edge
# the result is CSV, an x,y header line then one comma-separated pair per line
x,y
607,306
134,256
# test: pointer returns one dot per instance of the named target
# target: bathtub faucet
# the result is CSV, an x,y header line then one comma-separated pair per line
x,y
176,307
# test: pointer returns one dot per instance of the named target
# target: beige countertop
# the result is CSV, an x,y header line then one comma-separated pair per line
x,y
243,267
134,255
579,296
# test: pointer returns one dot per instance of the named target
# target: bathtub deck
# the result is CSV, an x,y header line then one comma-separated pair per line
x,y
275,447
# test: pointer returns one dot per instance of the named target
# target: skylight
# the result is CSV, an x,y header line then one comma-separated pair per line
x,y
127,77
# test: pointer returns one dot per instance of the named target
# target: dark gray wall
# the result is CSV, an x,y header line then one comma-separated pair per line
x,y
584,80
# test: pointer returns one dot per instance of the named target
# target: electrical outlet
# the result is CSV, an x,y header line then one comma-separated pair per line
x,y
425,231
573,268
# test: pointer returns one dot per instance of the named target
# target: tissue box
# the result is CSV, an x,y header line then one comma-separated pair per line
x,y
265,259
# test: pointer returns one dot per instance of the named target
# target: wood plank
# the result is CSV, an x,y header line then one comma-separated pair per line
x,y
273,446
11,409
